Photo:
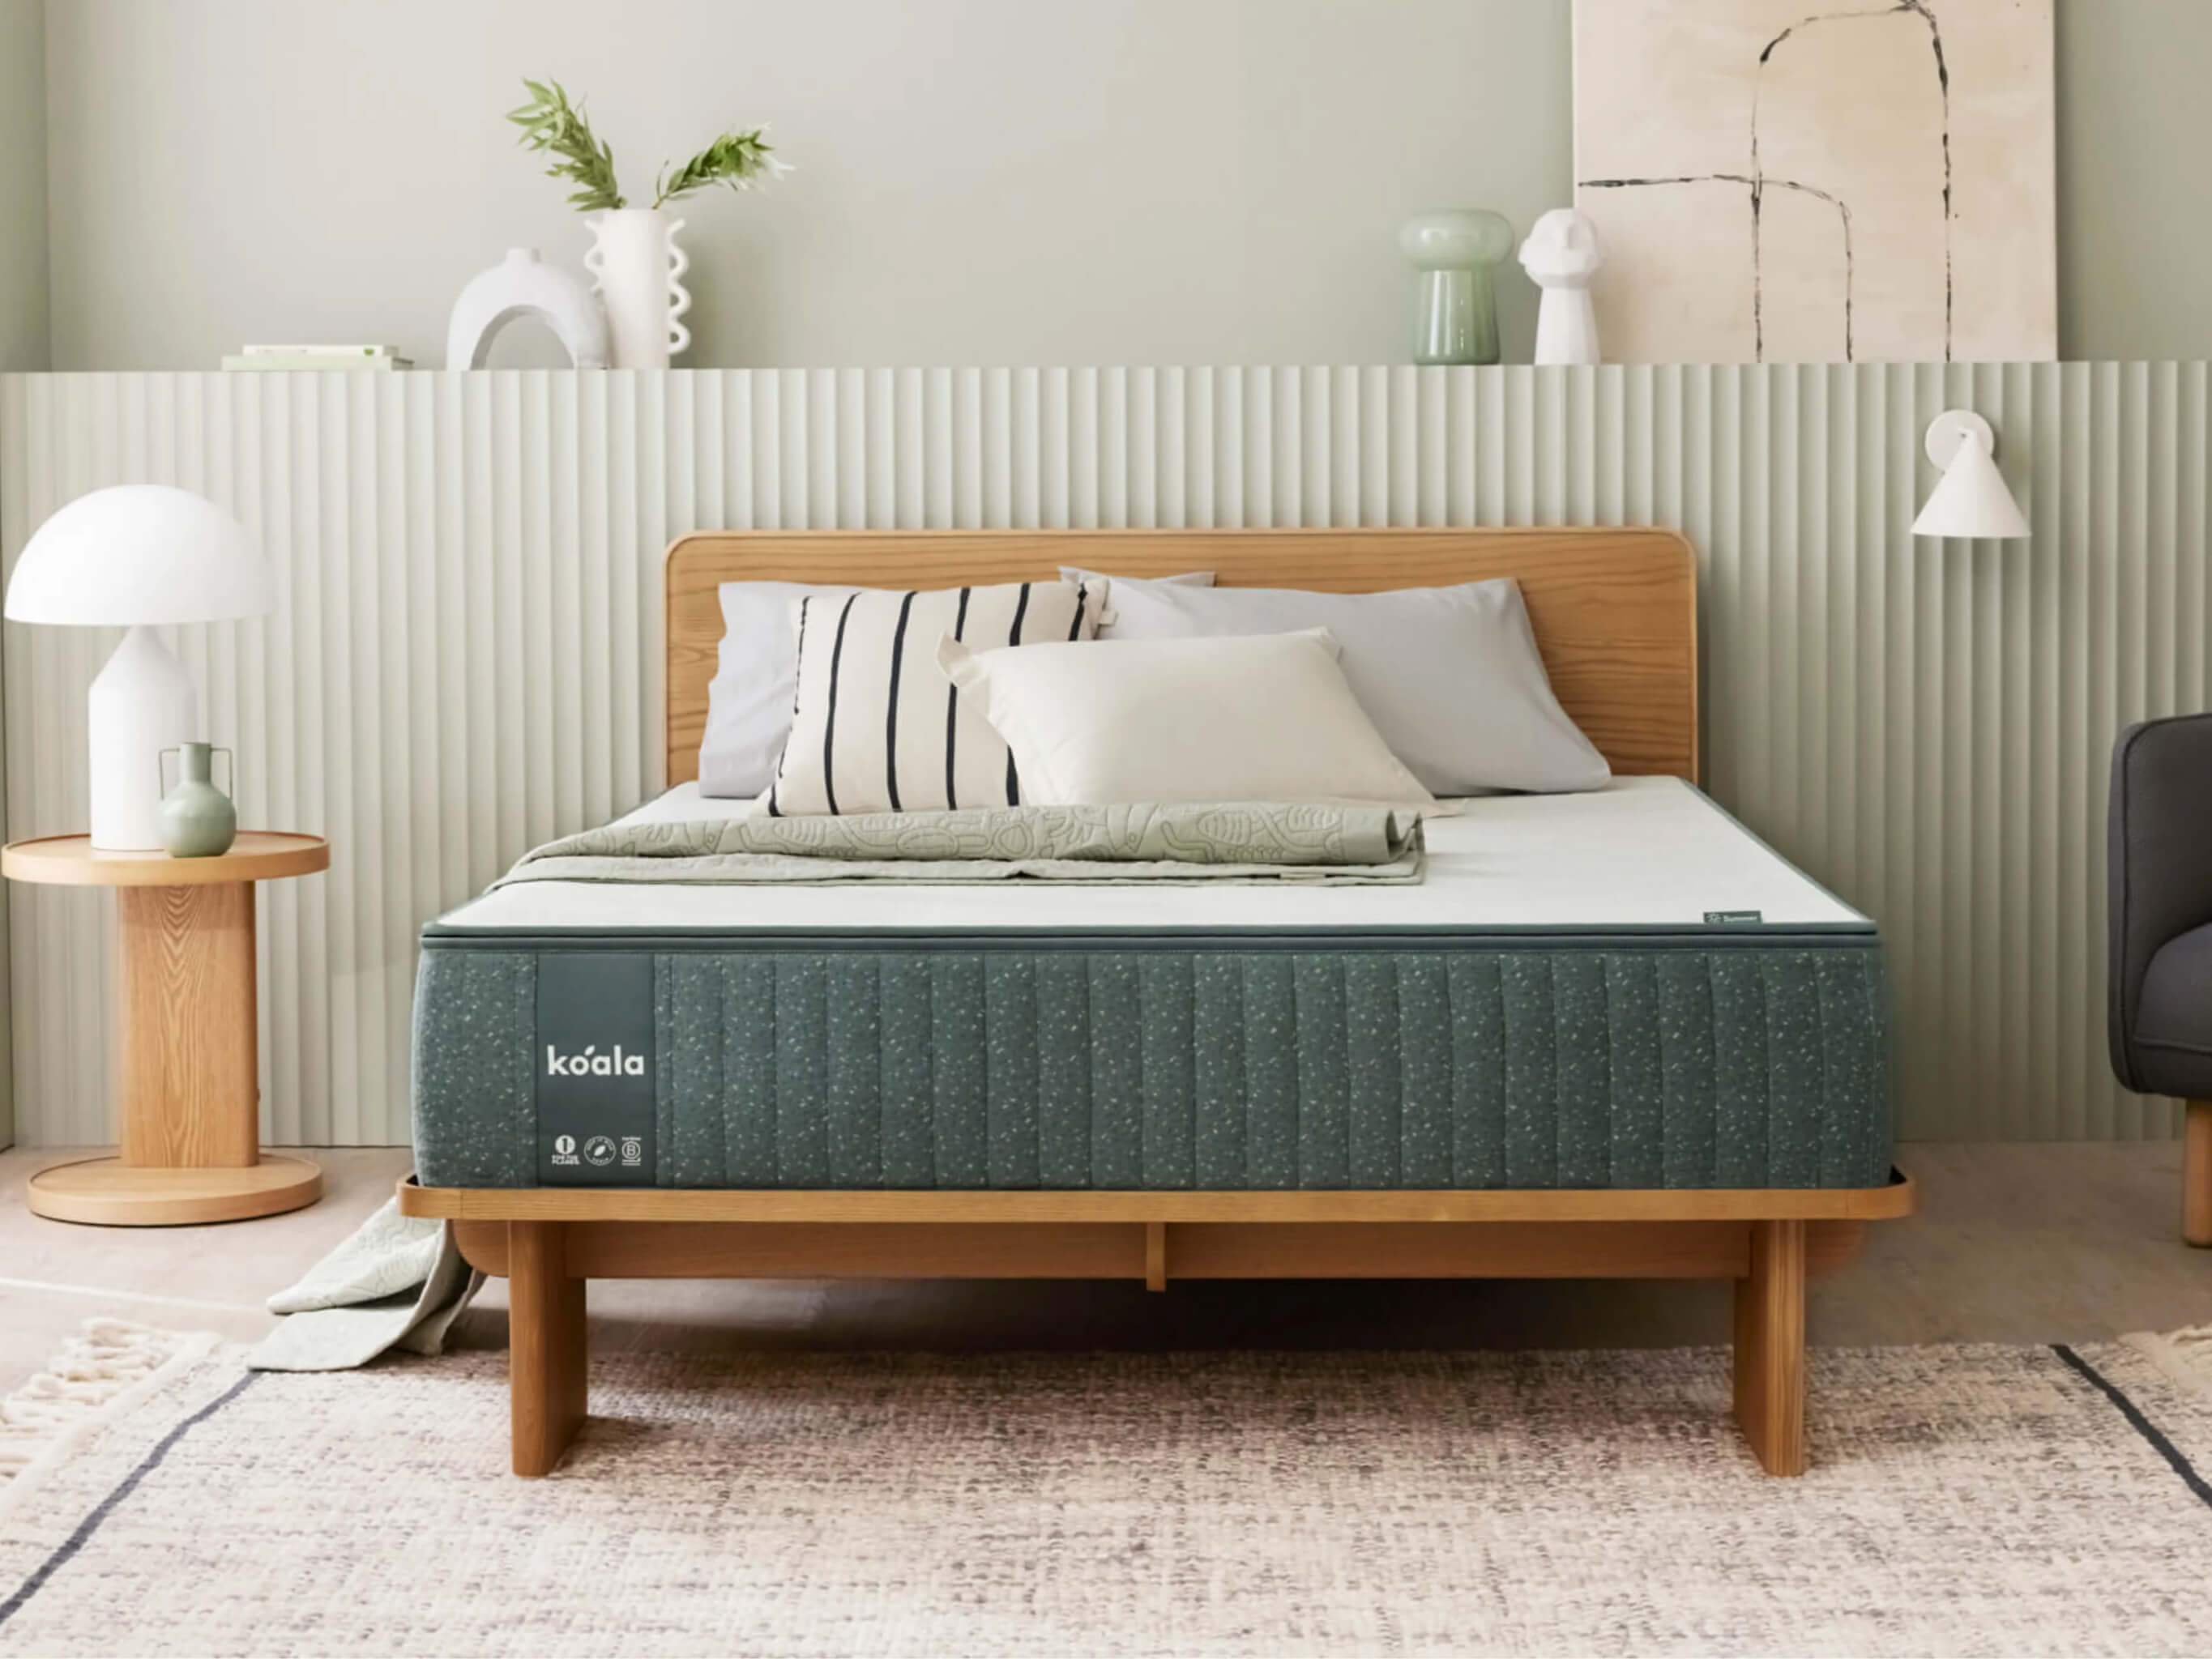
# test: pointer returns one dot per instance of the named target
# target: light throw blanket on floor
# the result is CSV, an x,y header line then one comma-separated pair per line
x,y
399,1282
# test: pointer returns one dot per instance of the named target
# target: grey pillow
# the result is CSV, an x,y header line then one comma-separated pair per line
x,y
749,699
756,684
1450,676
1101,583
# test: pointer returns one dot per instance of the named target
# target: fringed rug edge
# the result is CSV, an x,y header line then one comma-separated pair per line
x,y
2184,1356
96,1376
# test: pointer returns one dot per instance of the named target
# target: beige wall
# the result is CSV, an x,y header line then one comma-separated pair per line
x,y
982,181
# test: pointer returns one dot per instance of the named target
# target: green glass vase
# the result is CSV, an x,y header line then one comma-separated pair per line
x,y
1454,311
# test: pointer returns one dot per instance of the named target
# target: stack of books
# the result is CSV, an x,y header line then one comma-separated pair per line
x,y
283,359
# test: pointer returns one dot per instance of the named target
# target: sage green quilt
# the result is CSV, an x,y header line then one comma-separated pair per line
x,y
1243,842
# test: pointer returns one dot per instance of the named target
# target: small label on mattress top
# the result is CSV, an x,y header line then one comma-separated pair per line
x,y
1722,918
595,1069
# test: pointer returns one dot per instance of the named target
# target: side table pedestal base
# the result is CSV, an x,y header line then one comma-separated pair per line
x,y
109,1192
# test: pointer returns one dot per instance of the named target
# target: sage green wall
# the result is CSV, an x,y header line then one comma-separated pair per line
x,y
1924,728
23,314
995,181
998,181
23,330
2135,183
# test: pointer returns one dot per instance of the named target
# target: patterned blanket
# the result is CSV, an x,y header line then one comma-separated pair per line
x,y
1238,841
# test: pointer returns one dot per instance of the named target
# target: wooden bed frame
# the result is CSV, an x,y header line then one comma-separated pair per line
x,y
1615,615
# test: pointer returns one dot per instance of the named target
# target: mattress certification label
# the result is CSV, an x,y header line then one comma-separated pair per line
x,y
595,1069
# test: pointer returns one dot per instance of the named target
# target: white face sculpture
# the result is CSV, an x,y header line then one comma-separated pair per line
x,y
1562,250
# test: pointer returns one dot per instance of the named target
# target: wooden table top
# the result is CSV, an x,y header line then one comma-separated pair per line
x,y
74,861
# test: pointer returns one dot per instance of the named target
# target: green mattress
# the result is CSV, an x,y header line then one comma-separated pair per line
x,y
1621,988
1742,1059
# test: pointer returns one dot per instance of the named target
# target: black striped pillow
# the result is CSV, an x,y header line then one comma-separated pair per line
x,y
876,727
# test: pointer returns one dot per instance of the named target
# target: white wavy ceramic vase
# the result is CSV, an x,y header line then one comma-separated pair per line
x,y
636,267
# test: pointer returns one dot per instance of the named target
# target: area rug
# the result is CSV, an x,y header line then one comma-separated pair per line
x,y
1962,1501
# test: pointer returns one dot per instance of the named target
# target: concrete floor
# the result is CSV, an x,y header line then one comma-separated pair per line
x,y
2047,1242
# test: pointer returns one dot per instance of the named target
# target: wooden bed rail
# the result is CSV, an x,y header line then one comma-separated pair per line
x,y
550,1242
1002,1205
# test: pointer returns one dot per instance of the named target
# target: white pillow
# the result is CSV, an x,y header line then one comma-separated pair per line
x,y
750,699
1268,718
1450,676
874,729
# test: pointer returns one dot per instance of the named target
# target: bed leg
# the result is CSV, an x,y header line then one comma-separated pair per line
x,y
2197,1174
546,1345
1770,1347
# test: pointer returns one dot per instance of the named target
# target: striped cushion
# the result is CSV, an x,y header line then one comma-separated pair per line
x,y
878,727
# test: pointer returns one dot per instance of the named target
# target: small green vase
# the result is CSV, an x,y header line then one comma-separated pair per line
x,y
1455,312
198,820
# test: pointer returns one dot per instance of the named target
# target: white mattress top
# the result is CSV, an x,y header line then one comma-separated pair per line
x,y
1642,852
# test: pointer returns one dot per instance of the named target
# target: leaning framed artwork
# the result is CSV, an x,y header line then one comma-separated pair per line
x,y
1778,181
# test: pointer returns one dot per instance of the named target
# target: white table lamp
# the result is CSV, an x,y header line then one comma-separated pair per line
x,y
138,556
1971,499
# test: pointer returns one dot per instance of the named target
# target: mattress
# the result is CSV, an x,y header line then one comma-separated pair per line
x,y
1620,988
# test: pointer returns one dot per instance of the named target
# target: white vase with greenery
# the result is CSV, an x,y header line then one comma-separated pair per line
x,y
638,270
634,261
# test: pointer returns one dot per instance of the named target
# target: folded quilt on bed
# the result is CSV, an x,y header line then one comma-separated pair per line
x,y
1239,842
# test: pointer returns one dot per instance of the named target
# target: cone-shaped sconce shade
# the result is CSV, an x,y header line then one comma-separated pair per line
x,y
1971,499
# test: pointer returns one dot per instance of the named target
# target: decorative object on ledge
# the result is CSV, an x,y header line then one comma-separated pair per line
x,y
1562,256
634,257
523,285
1971,499
1454,311
316,359
138,556
197,819
637,270
1863,182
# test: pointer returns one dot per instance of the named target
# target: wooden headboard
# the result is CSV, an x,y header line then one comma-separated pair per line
x,y
1615,610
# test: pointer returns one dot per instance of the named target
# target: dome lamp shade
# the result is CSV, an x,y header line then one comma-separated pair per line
x,y
139,555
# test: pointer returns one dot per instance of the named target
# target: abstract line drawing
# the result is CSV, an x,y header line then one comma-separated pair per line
x,y
1867,182
1756,185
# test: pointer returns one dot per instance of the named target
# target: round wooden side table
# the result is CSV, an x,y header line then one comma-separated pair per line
x,y
188,1050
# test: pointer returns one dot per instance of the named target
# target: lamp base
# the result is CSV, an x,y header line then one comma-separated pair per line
x,y
142,701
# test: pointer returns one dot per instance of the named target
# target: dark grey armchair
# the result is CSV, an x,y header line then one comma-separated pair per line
x,y
2160,869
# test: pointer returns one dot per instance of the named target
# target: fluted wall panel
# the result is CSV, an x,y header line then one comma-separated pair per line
x,y
468,656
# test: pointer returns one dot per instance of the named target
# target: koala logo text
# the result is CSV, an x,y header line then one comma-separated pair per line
x,y
589,1062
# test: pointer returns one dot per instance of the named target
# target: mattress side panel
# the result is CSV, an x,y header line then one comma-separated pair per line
x,y
1622,1065
474,1080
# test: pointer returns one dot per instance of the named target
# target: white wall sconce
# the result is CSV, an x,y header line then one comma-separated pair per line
x,y
1971,499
